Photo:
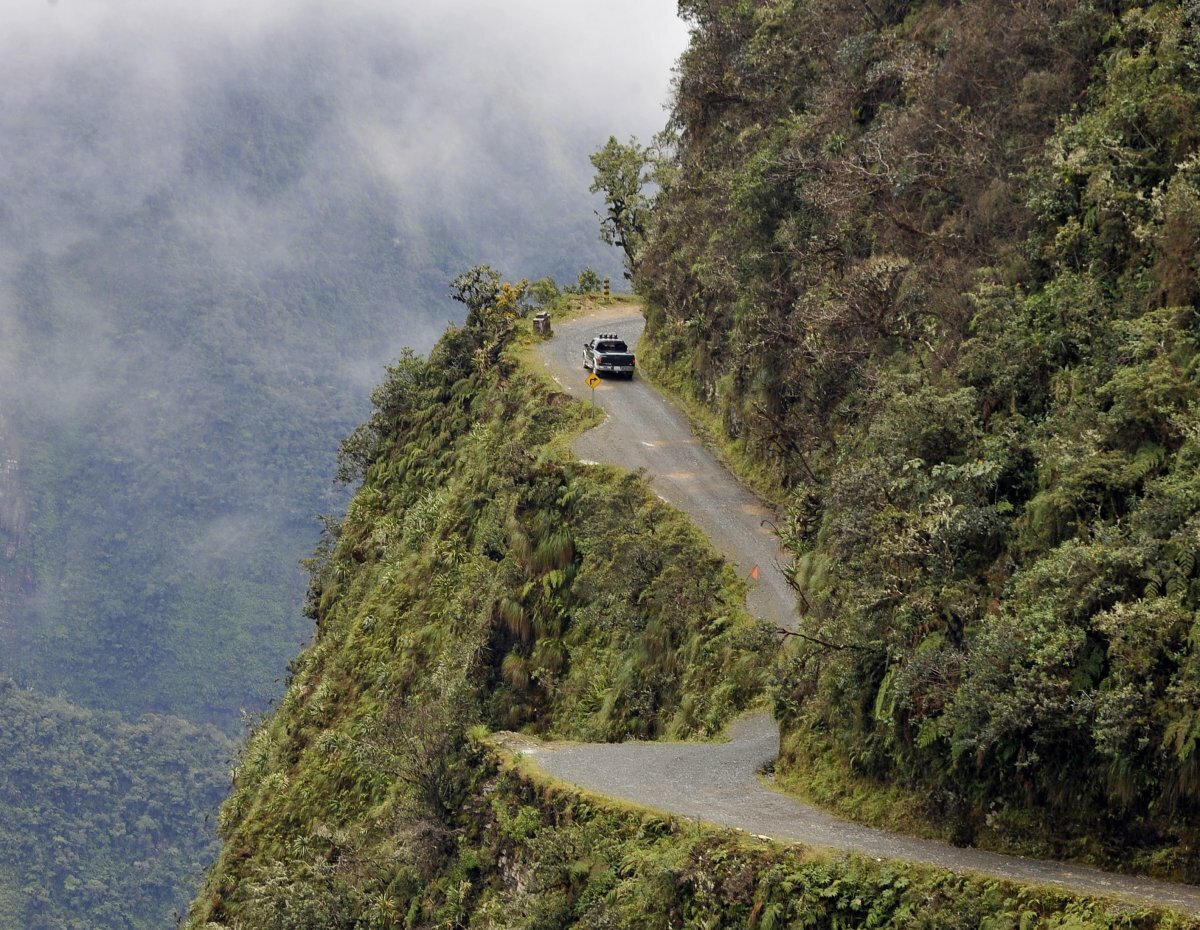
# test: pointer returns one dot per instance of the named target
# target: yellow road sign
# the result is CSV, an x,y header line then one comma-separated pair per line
x,y
593,380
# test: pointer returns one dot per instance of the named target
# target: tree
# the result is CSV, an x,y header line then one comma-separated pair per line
x,y
493,307
399,393
622,173
492,304
477,288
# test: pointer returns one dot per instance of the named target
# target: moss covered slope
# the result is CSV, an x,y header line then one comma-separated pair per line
x,y
479,577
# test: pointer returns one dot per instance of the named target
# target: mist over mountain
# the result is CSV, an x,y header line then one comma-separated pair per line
x,y
218,222
216,225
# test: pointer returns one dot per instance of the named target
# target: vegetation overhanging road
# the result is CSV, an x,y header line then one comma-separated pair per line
x,y
719,783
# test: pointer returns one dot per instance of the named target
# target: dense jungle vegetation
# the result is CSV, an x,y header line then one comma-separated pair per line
x,y
104,820
933,264
480,579
483,579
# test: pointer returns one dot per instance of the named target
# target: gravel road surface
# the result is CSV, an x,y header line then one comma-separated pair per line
x,y
719,782
639,429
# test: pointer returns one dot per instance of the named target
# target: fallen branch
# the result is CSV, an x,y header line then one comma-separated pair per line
x,y
821,642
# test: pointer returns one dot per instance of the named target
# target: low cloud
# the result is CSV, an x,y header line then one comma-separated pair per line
x,y
219,220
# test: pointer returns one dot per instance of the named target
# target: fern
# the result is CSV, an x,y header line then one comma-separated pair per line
x,y
1148,460
773,916
1180,734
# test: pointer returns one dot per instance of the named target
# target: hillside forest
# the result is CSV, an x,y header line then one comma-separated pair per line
x,y
933,267
483,579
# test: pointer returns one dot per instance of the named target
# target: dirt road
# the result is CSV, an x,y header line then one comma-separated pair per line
x,y
719,783
639,429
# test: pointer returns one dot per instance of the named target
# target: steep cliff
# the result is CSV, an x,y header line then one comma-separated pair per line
x,y
480,579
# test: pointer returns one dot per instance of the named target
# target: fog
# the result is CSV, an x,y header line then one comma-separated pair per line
x,y
100,99
218,221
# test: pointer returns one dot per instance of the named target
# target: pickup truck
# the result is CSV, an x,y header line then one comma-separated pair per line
x,y
606,353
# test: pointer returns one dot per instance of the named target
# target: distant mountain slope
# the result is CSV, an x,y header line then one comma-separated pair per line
x,y
88,840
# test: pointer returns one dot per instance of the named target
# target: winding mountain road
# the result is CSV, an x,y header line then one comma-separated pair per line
x,y
640,429
719,782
